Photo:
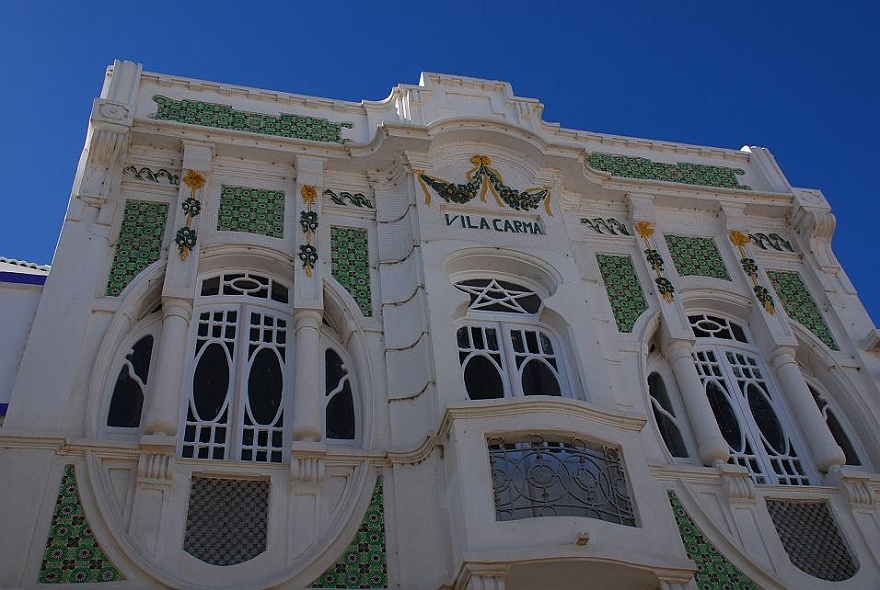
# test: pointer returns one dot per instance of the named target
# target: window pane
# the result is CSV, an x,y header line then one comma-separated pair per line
x,y
126,403
539,379
841,438
340,415
664,415
482,379
766,420
265,386
725,416
140,357
211,382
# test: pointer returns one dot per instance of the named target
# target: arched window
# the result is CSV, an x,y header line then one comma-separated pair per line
x,y
836,426
237,407
502,348
745,403
665,417
125,409
339,411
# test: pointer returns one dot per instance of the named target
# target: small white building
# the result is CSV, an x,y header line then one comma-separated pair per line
x,y
431,342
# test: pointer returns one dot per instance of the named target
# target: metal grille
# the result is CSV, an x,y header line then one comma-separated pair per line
x,y
812,540
559,477
226,520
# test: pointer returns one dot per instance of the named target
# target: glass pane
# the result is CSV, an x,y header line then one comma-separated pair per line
x,y
211,286
725,416
140,357
538,379
482,379
334,371
211,382
126,403
842,439
766,419
265,385
462,337
340,415
667,426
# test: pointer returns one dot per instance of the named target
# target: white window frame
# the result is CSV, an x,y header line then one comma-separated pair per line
x,y
759,463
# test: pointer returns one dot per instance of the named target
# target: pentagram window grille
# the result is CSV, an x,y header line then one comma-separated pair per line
x,y
746,404
538,475
495,295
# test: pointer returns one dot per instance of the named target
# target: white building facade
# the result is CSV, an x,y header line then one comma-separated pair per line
x,y
432,342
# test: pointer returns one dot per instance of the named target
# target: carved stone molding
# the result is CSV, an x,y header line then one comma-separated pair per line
x,y
307,464
856,485
738,486
156,462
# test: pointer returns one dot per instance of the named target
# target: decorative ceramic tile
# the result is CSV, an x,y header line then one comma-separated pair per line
x,y
73,555
350,264
221,116
226,522
684,173
812,540
800,305
363,564
714,571
623,288
139,243
251,210
696,256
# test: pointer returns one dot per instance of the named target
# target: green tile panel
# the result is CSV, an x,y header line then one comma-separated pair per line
x,y
350,264
696,256
251,210
800,305
73,555
221,116
363,564
714,571
139,243
682,172
623,288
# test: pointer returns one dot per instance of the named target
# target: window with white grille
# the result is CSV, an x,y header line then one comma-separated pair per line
x,y
502,348
746,404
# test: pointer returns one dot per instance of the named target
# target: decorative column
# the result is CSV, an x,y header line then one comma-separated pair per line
x,y
711,446
307,384
826,452
163,412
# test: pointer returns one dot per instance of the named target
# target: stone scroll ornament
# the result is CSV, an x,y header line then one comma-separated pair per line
x,y
750,267
655,259
308,220
481,179
186,236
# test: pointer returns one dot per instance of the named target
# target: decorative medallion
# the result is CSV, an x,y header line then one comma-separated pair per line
x,y
73,555
482,179
655,261
186,236
750,267
221,116
308,220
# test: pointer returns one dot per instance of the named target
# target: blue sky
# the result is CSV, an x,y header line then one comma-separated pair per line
x,y
798,77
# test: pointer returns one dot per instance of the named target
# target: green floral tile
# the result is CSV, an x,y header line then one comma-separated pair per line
x,y
695,256
800,305
221,116
73,555
350,264
251,210
139,243
714,571
623,289
684,173
364,563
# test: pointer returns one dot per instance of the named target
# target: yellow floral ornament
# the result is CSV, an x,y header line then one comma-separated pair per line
x,y
738,238
194,180
644,229
309,194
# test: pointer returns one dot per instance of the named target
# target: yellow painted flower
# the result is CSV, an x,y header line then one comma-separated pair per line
x,y
309,194
644,229
194,180
738,238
